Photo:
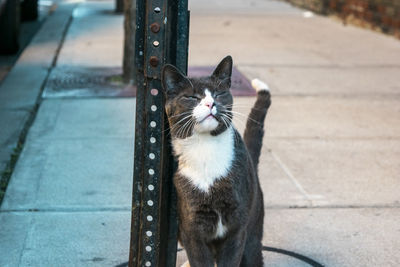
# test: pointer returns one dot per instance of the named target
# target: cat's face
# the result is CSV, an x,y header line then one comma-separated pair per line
x,y
200,105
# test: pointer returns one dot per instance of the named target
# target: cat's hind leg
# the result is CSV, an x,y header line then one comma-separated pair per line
x,y
252,254
230,251
198,252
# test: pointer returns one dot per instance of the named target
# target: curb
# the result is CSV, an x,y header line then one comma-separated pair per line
x,y
20,92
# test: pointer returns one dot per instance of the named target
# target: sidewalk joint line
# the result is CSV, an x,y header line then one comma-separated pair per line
x,y
336,138
66,209
294,207
321,66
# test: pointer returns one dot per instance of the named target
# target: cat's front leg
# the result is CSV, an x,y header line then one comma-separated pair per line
x,y
231,251
198,252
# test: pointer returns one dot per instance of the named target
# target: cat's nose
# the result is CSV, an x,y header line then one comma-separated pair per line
x,y
209,104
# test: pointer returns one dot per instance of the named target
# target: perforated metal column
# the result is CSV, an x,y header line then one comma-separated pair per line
x,y
161,37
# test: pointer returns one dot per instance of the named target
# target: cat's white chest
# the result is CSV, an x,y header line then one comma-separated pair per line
x,y
204,158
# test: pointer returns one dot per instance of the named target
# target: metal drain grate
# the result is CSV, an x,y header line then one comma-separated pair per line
x,y
87,82
77,82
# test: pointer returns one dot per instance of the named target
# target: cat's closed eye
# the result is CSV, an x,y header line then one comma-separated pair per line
x,y
220,94
191,97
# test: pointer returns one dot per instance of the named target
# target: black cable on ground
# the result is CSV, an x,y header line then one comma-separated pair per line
x,y
294,255
270,249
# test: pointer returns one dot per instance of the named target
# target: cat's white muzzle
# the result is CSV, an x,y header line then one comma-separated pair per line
x,y
206,122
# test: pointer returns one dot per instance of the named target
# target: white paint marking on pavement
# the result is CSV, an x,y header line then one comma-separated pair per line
x,y
292,178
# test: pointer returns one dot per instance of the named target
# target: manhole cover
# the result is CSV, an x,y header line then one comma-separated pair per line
x,y
107,82
87,82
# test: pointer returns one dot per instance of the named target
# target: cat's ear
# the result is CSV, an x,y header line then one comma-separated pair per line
x,y
173,80
223,72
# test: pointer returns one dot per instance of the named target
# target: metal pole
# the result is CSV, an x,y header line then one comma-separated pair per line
x,y
161,37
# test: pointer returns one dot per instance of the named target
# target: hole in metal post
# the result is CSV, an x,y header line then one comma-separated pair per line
x,y
156,43
153,124
148,248
149,218
153,107
157,10
152,156
152,140
151,187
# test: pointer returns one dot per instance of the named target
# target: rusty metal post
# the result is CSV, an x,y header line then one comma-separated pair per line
x,y
161,37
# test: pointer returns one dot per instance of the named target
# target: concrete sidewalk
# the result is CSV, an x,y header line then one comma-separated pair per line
x,y
331,158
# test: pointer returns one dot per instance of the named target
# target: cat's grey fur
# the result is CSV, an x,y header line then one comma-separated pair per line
x,y
236,198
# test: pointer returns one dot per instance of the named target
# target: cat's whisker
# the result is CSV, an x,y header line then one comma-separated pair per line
x,y
169,128
180,114
188,116
181,129
239,120
186,127
225,120
178,131
244,116
177,123
190,127
236,106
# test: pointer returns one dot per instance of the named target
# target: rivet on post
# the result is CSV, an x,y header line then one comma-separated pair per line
x,y
153,61
155,27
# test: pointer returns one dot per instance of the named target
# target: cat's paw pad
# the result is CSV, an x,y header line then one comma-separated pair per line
x,y
186,264
259,85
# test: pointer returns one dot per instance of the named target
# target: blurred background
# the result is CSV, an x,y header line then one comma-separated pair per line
x,y
330,164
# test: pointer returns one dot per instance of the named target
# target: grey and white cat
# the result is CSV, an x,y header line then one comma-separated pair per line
x,y
220,202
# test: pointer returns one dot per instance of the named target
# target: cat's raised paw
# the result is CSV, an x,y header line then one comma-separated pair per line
x,y
259,85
